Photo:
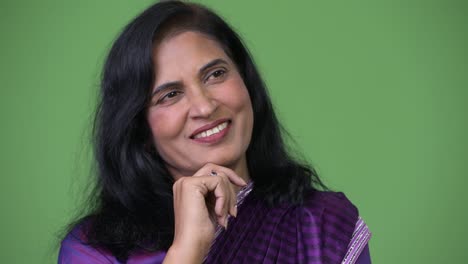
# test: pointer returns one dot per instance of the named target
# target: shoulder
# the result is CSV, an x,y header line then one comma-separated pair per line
x,y
329,218
318,230
341,225
331,207
333,214
74,249
318,208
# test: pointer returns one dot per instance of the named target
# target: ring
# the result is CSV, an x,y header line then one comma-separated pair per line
x,y
213,173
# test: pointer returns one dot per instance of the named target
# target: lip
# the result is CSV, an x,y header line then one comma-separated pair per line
x,y
214,137
209,126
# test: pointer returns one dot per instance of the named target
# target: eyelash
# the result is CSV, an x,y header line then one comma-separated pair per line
x,y
216,74
168,95
219,72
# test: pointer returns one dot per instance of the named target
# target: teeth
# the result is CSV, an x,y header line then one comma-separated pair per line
x,y
212,131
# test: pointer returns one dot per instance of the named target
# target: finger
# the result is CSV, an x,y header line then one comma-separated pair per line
x,y
233,210
210,167
233,206
220,211
222,194
233,177
225,197
231,200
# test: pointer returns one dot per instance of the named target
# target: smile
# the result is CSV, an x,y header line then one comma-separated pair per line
x,y
214,130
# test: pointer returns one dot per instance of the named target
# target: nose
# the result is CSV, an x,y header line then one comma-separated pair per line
x,y
202,104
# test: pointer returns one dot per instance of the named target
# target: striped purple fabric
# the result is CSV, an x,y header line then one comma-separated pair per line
x,y
319,231
361,237
325,229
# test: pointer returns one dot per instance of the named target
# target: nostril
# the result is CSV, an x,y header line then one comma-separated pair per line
x,y
203,106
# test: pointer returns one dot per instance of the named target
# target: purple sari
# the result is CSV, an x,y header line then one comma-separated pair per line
x,y
325,229
319,231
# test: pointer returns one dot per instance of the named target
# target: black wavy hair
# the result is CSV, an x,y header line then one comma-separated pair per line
x,y
133,207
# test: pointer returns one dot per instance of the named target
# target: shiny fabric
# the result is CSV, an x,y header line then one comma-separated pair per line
x,y
318,231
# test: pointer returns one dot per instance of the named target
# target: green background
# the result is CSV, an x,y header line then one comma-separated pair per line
x,y
374,93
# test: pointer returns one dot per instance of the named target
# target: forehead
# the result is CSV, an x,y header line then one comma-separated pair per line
x,y
186,48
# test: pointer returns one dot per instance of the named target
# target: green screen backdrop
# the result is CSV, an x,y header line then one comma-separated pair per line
x,y
374,93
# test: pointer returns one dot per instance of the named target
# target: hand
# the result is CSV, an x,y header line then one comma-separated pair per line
x,y
200,202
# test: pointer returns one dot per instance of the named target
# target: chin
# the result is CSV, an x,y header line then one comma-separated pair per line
x,y
230,162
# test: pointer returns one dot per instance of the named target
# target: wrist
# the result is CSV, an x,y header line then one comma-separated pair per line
x,y
186,252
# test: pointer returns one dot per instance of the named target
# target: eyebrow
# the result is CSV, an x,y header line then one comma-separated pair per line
x,y
210,64
164,86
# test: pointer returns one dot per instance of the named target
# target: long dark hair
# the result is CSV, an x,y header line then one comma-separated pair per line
x,y
133,193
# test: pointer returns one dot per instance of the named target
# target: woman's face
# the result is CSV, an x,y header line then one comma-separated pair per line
x,y
200,108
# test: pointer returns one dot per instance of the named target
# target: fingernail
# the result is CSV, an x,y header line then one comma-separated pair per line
x,y
226,222
234,211
245,183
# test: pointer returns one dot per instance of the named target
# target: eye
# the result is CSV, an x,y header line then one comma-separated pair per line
x,y
217,74
169,96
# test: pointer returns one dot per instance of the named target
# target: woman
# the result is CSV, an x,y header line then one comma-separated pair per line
x,y
191,162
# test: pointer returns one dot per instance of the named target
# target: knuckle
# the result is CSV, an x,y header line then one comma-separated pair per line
x,y
175,186
209,166
181,182
224,178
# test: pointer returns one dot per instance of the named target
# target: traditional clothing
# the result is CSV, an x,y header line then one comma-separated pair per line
x,y
326,228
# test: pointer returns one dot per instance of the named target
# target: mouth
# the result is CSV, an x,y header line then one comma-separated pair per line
x,y
211,132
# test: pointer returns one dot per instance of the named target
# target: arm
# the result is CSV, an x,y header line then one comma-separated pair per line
x,y
364,258
358,248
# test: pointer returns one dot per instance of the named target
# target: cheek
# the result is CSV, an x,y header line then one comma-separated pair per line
x,y
165,125
237,96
